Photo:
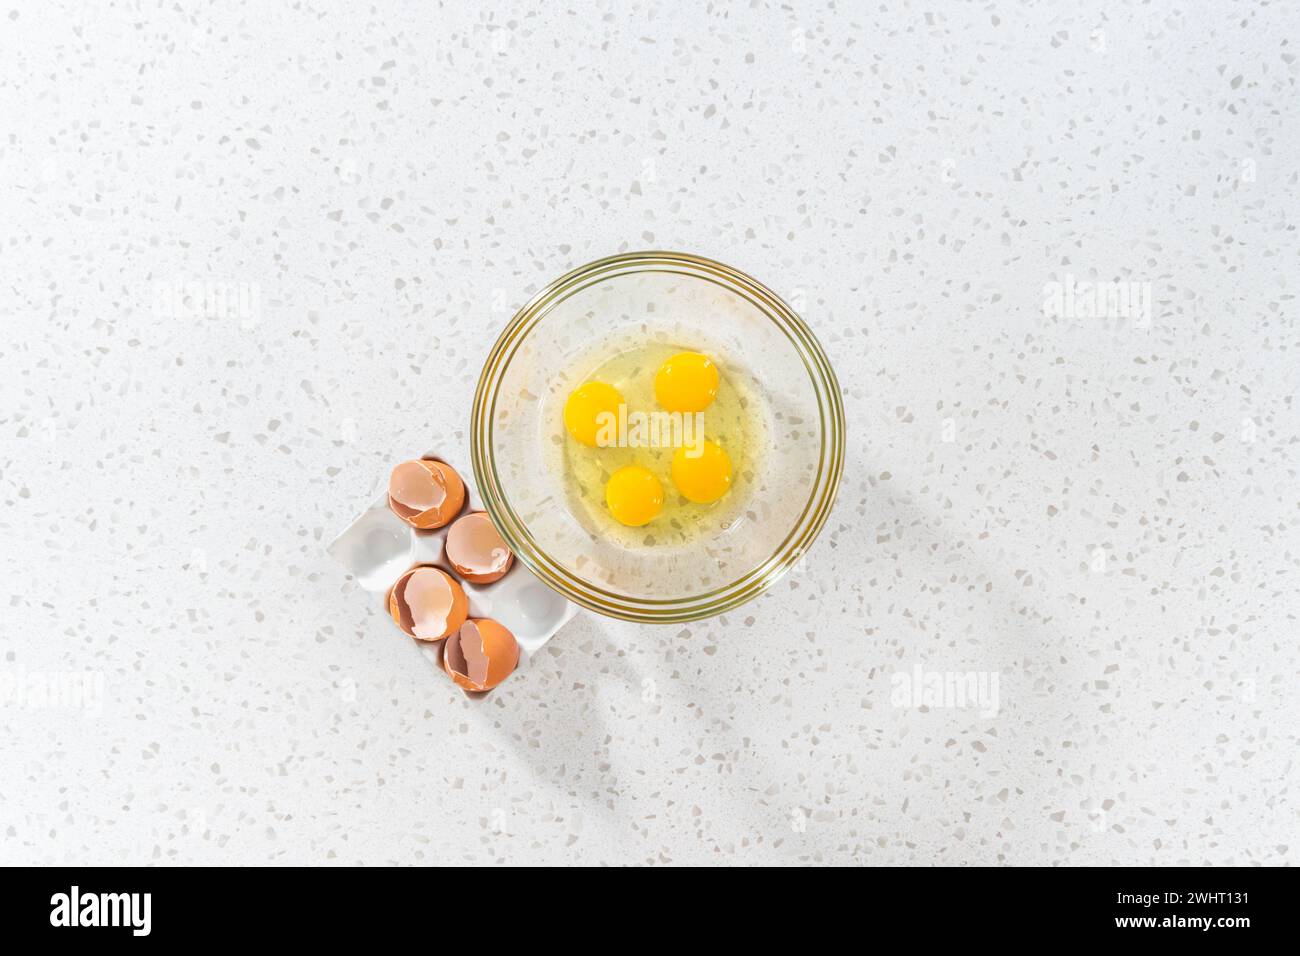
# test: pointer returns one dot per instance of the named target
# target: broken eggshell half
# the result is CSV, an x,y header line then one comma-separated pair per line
x,y
428,603
424,493
476,549
480,654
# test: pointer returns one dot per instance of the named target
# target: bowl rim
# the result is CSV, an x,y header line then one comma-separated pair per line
x,y
755,581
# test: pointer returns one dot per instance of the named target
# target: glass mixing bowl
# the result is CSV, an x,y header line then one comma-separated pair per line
x,y
675,299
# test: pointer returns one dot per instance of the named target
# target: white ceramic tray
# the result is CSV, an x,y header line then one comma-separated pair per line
x,y
378,547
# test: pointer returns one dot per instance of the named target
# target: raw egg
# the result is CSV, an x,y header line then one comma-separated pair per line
x,y
634,496
425,494
476,549
585,411
687,382
703,479
428,603
480,654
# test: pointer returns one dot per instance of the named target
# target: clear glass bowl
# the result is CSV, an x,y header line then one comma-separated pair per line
x,y
702,305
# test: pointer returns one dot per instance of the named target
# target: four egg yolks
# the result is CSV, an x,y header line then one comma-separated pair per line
x,y
687,382
634,496
585,410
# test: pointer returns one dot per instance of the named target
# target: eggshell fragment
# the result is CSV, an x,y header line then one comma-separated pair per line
x,y
480,655
476,549
428,603
425,494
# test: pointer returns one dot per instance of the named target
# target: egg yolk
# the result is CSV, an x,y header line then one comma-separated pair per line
x,y
705,479
634,496
687,382
584,411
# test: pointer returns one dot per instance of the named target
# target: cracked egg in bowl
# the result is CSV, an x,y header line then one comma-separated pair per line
x,y
658,436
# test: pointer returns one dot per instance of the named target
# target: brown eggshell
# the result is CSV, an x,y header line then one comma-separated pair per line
x,y
476,549
425,494
480,655
428,603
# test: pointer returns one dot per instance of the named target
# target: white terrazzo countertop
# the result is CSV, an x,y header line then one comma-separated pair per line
x,y
1094,515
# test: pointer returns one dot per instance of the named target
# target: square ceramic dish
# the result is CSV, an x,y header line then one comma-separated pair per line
x,y
378,547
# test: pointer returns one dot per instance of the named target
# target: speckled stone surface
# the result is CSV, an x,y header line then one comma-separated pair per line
x,y
1096,515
